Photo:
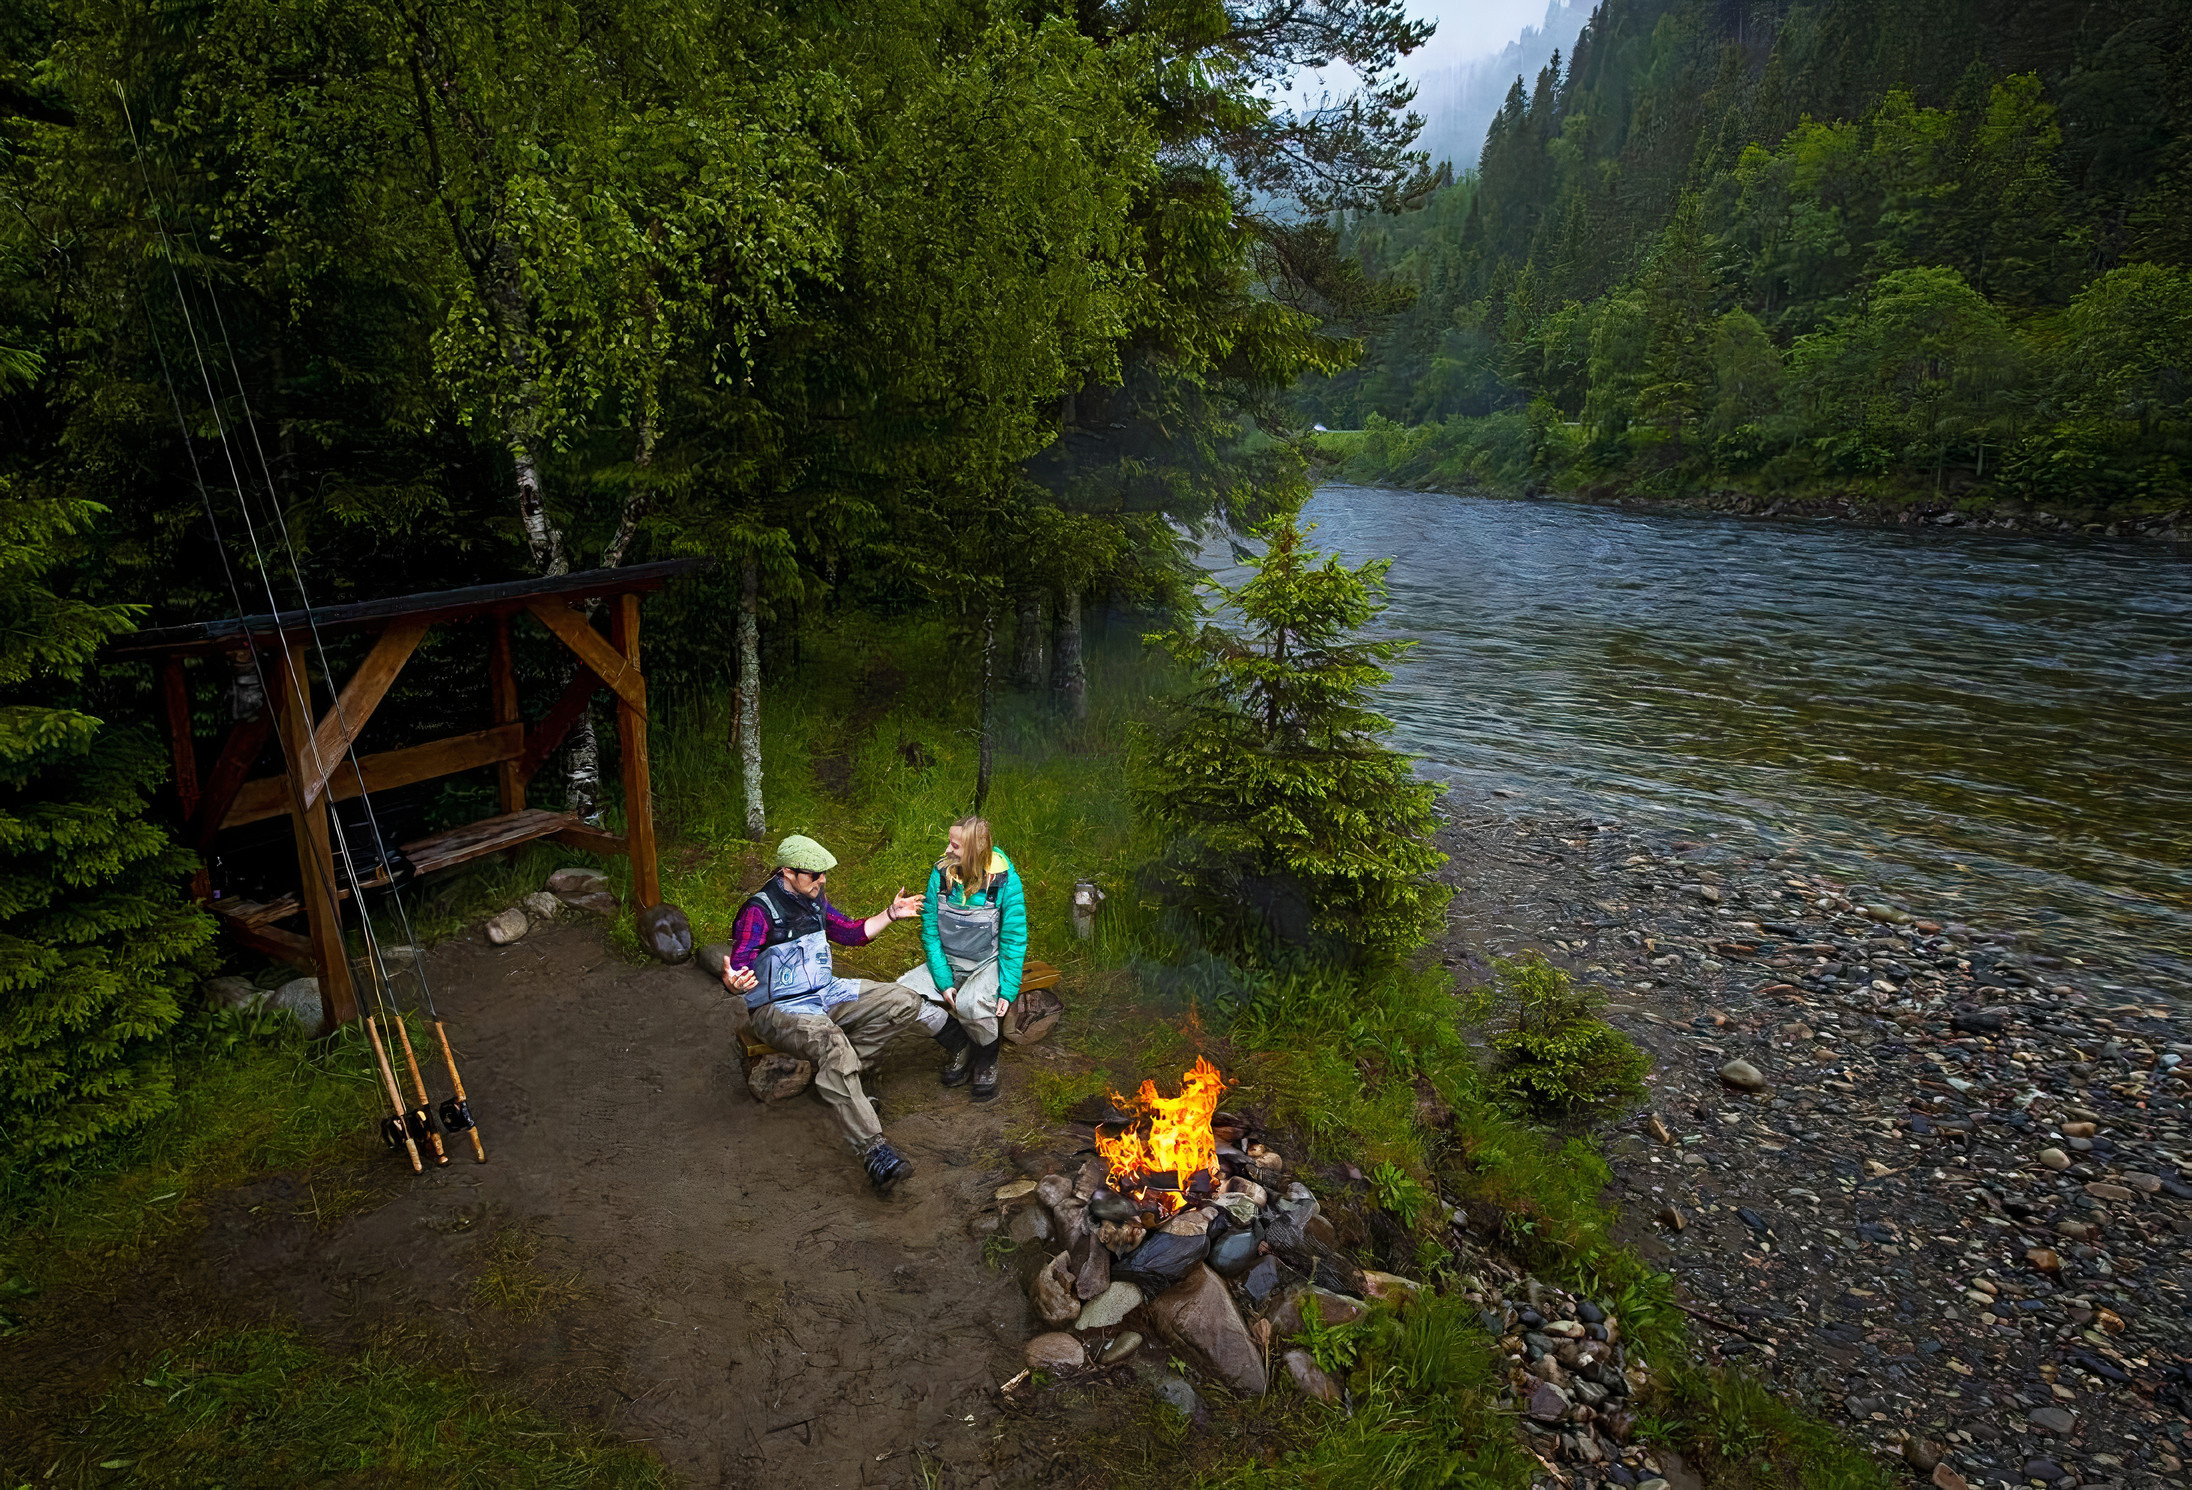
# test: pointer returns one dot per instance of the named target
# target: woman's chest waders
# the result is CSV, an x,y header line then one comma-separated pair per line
x,y
970,934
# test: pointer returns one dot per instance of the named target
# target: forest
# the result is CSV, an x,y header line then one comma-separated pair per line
x,y
949,310
1931,252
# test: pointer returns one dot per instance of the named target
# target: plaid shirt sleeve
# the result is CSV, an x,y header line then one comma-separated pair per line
x,y
748,932
843,929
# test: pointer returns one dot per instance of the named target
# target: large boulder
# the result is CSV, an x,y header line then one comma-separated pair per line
x,y
1198,1317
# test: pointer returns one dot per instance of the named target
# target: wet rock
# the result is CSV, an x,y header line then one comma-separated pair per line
x,y
1110,1205
567,884
1310,1378
2054,1158
665,933
1548,1403
2043,1469
1945,1478
1234,1254
1110,1307
775,1076
1743,1076
508,926
1055,1353
1197,1315
2052,1419
1332,1309
1122,1345
1119,1239
1052,1291
1029,1226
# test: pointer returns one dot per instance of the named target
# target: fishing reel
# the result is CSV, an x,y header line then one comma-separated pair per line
x,y
456,1117
419,1124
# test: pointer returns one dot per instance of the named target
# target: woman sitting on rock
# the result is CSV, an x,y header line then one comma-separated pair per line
x,y
974,931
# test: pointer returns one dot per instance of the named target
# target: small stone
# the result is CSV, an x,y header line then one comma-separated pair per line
x,y
1945,1478
1092,1275
1052,1291
601,903
1671,1218
1118,1238
1110,1307
1706,893
507,926
1055,1352
2102,1191
2054,1158
1332,1309
1055,1190
1187,1223
300,999
1920,1455
2046,1470
1017,1191
2145,1184
542,906
230,993
1548,1403
1234,1254
664,932
2053,1419
1110,1205
2079,1130
1176,1393
2044,1259
1124,1344
775,1076
566,883
1261,1279
1395,1289
1029,1226
1743,1076
1310,1378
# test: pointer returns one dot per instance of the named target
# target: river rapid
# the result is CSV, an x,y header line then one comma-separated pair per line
x,y
1996,729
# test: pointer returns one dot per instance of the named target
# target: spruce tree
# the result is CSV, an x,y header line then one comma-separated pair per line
x,y
1290,820
96,942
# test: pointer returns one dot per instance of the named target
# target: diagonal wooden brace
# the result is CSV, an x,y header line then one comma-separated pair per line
x,y
617,673
355,704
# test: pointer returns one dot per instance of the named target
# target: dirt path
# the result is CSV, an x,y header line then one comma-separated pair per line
x,y
743,1302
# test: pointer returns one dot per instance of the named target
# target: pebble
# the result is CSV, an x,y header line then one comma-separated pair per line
x,y
1122,1345
508,926
1055,1352
1312,1380
2055,1158
2053,1419
1016,1191
1744,1076
1110,1307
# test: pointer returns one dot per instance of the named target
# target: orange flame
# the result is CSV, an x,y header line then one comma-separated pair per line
x,y
1177,1138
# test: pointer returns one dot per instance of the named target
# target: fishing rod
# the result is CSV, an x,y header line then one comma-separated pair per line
x,y
299,686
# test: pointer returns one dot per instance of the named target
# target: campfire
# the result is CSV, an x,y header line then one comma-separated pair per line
x,y
1168,1152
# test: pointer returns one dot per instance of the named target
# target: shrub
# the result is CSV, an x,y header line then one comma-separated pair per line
x,y
1552,1054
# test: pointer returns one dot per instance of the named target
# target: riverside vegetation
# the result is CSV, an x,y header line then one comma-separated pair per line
x,y
1922,256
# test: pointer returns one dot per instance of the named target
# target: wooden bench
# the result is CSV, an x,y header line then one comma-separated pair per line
x,y
1034,977
255,923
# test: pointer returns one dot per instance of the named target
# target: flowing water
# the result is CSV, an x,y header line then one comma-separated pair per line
x,y
1995,729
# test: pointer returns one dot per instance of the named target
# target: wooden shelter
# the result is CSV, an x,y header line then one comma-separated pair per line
x,y
316,747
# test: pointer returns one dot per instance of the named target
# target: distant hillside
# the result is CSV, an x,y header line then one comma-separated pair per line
x,y
1459,103
1896,246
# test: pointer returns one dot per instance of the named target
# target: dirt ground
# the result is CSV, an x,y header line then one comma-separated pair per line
x,y
719,1281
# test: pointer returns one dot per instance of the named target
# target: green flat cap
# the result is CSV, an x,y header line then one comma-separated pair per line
x,y
803,853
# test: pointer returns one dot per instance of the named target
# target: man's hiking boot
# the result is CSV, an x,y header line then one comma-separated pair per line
x,y
960,1063
985,1072
885,1166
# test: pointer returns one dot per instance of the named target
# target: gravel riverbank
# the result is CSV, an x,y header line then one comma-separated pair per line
x,y
1932,1180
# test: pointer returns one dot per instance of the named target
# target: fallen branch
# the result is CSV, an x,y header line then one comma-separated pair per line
x,y
1722,1324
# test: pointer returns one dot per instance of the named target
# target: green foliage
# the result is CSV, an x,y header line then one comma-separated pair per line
x,y
1398,1193
1059,1092
263,1406
97,948
1551,1053
1290,821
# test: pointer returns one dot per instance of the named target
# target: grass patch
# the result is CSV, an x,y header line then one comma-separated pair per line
x,y
263,1406
514,1283
1059,1092
1741,1436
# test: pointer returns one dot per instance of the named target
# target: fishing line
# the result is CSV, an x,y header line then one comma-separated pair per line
x,y
300,686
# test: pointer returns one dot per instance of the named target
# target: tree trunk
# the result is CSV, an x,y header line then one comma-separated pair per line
x,y
1027,638
985,756
1068,678
749,698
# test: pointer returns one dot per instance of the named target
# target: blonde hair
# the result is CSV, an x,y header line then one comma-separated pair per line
x,y
977,850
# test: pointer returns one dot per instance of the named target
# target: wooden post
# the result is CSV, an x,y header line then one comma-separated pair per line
x,y
502,680
183,751
315,849
639,805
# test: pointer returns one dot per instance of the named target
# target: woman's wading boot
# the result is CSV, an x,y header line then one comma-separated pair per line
x,y
960,1062
985,1071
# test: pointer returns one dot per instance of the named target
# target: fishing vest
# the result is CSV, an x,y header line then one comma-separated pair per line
x,y
794,961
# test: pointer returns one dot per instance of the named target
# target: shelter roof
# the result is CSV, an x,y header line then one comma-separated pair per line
x,y
230,633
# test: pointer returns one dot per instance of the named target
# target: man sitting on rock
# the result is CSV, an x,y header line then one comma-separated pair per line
x,y
780,961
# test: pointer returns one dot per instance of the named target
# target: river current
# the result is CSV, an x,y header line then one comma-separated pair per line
x,y
1995,729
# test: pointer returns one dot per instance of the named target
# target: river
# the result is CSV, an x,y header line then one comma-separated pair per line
x,y
1997,729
